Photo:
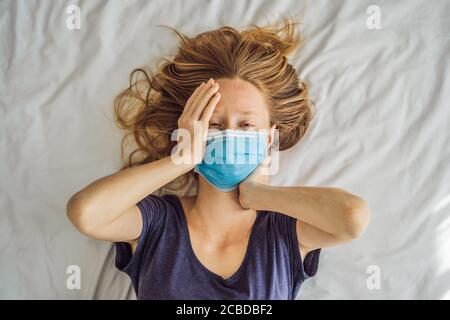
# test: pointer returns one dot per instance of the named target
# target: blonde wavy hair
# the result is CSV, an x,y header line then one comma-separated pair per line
x,y
149,108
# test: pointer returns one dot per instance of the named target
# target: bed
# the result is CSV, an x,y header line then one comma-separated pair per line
x,y
379,73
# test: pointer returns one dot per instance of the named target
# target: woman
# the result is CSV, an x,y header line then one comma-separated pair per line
x,y
238,237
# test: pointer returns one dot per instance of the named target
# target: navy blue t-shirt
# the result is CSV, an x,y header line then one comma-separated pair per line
x,y
164,265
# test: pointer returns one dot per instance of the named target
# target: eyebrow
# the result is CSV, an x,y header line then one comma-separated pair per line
x,y
249,111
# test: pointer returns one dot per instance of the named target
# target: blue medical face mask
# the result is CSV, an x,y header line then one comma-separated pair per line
x,y
231,156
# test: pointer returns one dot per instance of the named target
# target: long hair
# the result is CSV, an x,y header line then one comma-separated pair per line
x,y
149,109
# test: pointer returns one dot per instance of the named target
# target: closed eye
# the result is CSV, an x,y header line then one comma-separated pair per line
x,y
247,125
214,124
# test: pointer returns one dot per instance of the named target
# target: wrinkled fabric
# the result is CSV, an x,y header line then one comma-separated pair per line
x,y
381,130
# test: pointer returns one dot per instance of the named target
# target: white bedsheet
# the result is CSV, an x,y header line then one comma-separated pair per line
x,y
382,131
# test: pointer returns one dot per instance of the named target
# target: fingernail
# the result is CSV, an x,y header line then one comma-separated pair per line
x,y
210,80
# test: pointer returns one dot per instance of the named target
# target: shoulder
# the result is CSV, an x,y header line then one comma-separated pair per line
x,y
157,205
278,228
158,213
277,221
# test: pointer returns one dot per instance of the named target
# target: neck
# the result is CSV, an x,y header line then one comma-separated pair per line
x,y
219,213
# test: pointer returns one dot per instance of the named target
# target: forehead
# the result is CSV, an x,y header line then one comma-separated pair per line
x,y
240,96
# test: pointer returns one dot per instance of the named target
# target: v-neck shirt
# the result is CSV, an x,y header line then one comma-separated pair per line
x,y
164,264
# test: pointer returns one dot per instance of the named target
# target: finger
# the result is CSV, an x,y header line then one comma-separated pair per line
x,y
194,101
265,166
209,110
197,90
193,97
267,159
203,102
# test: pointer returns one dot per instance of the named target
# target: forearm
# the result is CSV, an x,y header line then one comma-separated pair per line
x,y
333,210
106,198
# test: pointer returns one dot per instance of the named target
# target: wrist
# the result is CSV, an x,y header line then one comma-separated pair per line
x,y
186,167
252,194
180,167
184,158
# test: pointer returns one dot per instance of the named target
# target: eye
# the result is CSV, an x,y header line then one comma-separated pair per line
x,y
247,125
214,124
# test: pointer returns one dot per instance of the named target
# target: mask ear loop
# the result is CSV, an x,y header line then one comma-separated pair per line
x,y
270,149
268,159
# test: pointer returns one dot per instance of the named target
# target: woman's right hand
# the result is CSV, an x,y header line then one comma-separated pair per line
x,y
195,120
106,209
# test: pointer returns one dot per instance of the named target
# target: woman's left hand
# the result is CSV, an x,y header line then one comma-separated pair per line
x,y
260,176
